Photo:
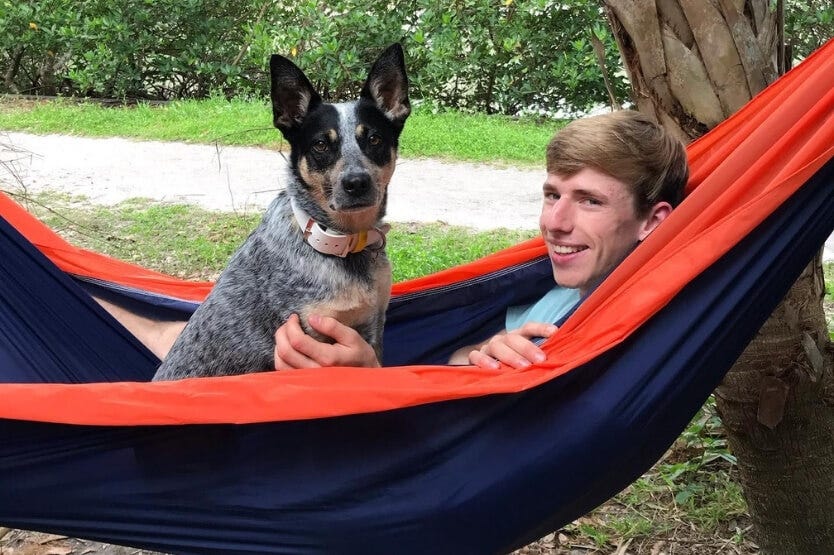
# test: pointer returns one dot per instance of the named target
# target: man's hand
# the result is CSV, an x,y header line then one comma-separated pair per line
x,y
513,348
296,349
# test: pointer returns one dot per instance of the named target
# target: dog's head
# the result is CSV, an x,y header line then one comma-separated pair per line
x,y
342,155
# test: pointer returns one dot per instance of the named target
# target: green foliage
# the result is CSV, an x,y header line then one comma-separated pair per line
x,y
334,42
124,48
704,445
507,57
808,25
494,56
511,57
595,533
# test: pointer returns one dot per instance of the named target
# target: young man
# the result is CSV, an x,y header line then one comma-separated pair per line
x,y
611,180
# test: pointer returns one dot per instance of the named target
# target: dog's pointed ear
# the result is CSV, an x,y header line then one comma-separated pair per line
x,y
291,92
387,85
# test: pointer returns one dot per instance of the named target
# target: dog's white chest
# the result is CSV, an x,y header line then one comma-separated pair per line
x,y
355,303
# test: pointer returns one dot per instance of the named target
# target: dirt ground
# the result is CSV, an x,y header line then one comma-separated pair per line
x,y
21,542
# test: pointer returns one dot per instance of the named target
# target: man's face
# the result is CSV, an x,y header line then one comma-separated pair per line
x,y
589,224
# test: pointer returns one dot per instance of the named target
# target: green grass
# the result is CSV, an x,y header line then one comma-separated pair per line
x,y
450,135
477,137
193,243
236,122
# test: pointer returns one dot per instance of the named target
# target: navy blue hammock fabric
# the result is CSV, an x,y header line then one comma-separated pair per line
x,y
478,469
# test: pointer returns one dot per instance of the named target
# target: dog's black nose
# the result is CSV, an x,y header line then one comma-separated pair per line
x,y
356,184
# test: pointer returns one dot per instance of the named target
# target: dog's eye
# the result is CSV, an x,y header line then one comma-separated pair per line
x,y
320,146
374,140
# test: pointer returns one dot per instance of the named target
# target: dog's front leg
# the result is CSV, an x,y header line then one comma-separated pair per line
x,y
379,324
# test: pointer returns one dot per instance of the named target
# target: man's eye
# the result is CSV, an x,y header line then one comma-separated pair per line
x,y
374,140
320,146
592,201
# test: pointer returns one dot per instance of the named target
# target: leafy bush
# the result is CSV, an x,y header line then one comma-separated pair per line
x,y
519,56
471,54
507,56
124,48
808,25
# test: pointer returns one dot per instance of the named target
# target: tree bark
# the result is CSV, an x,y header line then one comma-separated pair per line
x,y
692,63
776,405
11,72
599,52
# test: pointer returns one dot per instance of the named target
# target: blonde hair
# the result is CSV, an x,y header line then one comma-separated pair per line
x,y
628,146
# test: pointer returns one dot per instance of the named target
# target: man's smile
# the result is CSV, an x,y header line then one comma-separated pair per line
x,y
567,249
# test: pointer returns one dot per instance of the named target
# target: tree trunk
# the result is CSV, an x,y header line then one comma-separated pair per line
x,y
692,63
11,72
47,78
776,407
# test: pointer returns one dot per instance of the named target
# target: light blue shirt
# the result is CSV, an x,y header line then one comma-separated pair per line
x,y
552,306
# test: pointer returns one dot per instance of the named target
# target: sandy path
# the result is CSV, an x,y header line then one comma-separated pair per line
x,y
246,179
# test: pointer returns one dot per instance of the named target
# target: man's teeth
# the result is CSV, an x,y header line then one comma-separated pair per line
x,y
560,249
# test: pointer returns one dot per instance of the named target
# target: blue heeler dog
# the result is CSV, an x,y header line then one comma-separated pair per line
x,y
320,246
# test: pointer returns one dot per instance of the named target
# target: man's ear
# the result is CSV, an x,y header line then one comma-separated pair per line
x,y
657,214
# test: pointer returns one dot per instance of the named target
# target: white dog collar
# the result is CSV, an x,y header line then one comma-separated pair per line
x,y
334,243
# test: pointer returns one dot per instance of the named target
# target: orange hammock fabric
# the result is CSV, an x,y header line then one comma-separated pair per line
x,y
740,175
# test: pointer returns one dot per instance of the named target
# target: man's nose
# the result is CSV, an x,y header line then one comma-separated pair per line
x,y
558,216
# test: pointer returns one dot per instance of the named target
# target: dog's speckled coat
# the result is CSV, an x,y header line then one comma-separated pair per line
x,y
342,158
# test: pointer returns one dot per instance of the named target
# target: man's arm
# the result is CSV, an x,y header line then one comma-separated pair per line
x,y
293,347
296,349
157,335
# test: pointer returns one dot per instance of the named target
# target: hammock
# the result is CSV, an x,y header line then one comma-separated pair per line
x,y
417,457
